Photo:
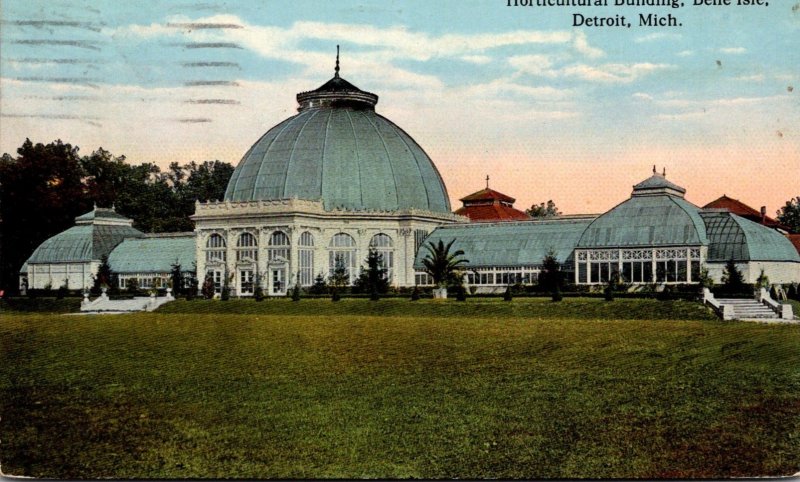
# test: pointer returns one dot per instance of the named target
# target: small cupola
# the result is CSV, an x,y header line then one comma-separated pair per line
x,y
336,92
657,184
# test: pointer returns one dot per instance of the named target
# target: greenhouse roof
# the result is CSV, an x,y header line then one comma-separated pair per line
x,y
82,243
737,238
654,220
154,254
523,243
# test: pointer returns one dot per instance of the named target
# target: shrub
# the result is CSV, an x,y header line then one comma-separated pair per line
x,y
665,294
296,292
732,278
132,286
208,287
415,294
461,293
63,291
258,291
556,294
319,287
191,290
507,296
335,294
225,295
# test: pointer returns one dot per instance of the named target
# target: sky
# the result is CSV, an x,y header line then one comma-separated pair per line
x,y
547,110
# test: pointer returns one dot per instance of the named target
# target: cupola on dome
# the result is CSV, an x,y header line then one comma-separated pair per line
x,y
338,150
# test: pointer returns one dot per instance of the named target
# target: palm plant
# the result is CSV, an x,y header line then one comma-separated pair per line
x,y
442,265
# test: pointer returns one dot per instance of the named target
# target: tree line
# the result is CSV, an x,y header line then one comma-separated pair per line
x,y
45,186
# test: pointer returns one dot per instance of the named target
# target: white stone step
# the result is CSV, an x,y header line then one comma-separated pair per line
x,y
140,303
745,308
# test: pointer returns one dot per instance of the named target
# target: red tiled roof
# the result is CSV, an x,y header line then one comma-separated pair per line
x,y
795,239
492,212
741,209
488,195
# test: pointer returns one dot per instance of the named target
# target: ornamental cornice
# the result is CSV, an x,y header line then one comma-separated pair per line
x,y
216,209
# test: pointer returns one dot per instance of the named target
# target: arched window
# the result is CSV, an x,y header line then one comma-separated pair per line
x,y
278,246
215,248
306,254
384,245
247,247
342,250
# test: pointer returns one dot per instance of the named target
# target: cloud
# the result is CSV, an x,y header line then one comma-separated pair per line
x,y
642,96
652,37
733,50
613,73
685,53
751,78
581,44
536,64
476,59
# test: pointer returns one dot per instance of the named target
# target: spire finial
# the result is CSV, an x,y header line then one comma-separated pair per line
x,y
654,168
664,172
487,181
336,74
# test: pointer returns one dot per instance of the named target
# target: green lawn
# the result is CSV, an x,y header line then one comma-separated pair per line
x,y
529,389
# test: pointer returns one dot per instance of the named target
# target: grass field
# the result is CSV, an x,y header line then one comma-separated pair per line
x,y
531,388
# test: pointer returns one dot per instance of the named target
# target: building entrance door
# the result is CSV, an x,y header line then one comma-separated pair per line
x,y
278,281
245,282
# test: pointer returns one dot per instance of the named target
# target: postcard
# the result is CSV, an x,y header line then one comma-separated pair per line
x,y
474,239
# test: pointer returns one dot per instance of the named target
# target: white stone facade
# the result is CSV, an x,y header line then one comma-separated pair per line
x,y
777,271
290,241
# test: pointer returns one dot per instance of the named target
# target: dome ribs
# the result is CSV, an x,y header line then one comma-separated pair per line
x,y
285,192
388,160
339,151
355,151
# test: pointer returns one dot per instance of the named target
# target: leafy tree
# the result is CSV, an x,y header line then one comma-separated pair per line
x,y
543,210
774,293
258,291
762,281
63,290
613,281
442,265
56,185
732,278
320,287
296,292
41,193
339,278
104,277
789,214
191,289
706,281
550,276
176,277
208,289
793,293
132,286
374,278
225,295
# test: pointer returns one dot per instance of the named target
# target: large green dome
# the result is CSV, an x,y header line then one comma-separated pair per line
x,y
339,151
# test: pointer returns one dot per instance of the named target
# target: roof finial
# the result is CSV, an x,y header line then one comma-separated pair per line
x,y
664,172
336,74
654,168
487,181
